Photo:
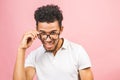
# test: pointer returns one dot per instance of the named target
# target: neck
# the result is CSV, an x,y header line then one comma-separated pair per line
x,y
60,42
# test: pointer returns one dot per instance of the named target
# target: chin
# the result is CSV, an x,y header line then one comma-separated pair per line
x,y
50,50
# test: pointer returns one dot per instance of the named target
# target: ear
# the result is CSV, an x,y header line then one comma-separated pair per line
x,y
61,30
36,27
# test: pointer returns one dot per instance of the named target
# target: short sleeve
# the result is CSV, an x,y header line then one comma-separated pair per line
x,y
30,60
83,59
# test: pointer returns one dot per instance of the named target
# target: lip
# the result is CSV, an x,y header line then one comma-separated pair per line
x,y
48,45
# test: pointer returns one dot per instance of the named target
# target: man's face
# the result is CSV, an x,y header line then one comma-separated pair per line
x,y
49,34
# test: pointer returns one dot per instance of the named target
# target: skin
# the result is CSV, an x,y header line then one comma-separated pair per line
x,y
50,45
21,73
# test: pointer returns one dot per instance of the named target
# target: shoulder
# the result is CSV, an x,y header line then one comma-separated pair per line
x,y
78,54
37,51
75,49
73,45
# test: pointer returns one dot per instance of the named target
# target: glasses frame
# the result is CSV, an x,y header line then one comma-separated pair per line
x,y
40,35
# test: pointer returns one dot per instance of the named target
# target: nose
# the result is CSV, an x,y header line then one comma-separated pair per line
x,y
48,39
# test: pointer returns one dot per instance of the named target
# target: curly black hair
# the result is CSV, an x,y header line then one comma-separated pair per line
x,y
48,13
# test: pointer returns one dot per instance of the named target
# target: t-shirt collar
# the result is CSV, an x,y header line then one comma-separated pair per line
x,y
64,46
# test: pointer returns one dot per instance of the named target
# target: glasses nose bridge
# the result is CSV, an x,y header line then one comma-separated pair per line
x,y
48,36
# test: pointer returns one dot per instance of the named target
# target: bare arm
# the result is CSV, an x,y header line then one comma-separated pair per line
x,y
21,73
30,71
86,74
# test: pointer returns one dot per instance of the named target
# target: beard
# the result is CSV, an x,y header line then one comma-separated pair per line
x,y
54,44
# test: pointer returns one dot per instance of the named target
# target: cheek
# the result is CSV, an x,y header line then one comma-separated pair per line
x,y
56,42
42,40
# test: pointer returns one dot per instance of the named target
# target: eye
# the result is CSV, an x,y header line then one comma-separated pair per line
x,y
43,33
53,33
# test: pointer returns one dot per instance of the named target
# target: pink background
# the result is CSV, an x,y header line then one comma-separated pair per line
x,y
93,23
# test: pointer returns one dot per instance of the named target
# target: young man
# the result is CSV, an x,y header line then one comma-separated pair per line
x,y
57,58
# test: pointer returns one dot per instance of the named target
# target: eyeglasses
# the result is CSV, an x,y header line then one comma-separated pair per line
x,y
52,35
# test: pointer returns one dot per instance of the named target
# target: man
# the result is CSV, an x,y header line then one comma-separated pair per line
x,y
57,58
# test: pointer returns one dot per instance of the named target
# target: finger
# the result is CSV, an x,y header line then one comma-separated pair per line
x,y
35,33
30,34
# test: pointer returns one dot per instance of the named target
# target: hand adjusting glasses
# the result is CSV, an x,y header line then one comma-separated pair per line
x,y
51,35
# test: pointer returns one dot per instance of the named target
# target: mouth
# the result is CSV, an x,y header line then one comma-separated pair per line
x,y
49,45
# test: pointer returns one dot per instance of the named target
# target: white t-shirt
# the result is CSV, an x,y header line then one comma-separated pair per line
x,y
65,65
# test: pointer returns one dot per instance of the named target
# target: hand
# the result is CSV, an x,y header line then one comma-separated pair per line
x,y
28,39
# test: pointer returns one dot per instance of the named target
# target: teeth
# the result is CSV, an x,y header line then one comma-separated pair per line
x,y
48,44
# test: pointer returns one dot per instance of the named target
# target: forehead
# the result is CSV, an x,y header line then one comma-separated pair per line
x,y
47,27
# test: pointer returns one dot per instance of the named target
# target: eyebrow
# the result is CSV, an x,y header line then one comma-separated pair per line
x,y
47,32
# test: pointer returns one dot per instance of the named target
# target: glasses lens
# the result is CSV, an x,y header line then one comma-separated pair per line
x,y
45,36
55,36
